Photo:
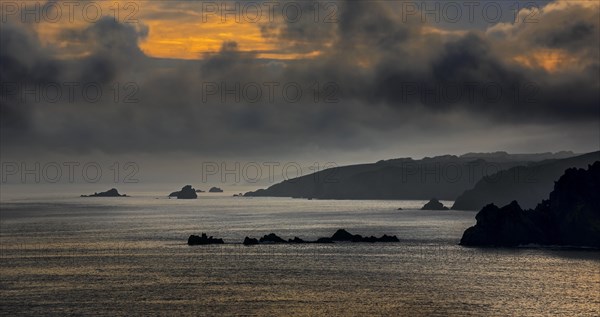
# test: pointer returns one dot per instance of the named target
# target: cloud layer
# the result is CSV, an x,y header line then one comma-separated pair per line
x,y
375,81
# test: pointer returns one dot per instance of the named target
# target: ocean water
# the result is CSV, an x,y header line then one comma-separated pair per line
x,y
128,256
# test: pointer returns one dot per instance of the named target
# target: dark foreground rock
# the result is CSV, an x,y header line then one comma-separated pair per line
x,y
434,204
570,217
202,240
339,236
109,193
187,192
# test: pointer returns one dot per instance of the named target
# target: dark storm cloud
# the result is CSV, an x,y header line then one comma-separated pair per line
x,y
573,28
22,60
472,63
509,92
577,33
31,75
381,69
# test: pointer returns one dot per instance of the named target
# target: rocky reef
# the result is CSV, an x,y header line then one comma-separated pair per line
x,y
271,238
203,240
187,192
215,190
250,241
113,192
570,217
434,204
340,235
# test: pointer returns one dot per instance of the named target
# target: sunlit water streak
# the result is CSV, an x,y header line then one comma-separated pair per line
x,y
128,256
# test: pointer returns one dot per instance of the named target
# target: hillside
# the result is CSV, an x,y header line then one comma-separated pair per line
x,y
528,185
442,177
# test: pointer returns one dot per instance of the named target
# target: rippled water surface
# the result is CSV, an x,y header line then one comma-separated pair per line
x,y
128,256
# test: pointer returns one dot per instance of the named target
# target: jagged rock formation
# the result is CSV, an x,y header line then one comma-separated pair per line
x,y
203,240
250,241
434,204
570,217
113,192
187,192
271,238
340,235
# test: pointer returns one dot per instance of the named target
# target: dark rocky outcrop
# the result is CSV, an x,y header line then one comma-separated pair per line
x,y
215,190
384,238
506,226
109,193
296,240
324,240
203,240
434,204
570,217
250,241
271,238
340,235
187,192
343,235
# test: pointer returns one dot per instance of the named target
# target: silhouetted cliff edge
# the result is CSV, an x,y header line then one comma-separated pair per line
x,y
526,184
570,217
444,177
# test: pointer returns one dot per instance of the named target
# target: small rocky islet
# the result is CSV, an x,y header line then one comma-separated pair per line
x,y
186,192
113,192
341,235
203,240
215,190
434,204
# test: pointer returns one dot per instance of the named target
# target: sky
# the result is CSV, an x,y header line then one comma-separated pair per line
x,y
173,84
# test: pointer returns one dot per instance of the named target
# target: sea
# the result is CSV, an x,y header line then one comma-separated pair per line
x,y
66,255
